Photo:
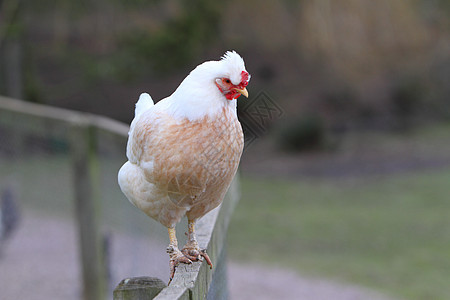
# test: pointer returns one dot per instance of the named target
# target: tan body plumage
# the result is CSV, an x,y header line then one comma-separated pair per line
x,y
182,168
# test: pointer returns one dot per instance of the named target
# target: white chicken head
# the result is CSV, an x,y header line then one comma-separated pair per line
x,y
235,78
211,86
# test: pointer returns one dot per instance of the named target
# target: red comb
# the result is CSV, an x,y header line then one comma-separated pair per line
x,y
244,76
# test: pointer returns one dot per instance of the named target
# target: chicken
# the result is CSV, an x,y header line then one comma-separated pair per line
x,y
184,151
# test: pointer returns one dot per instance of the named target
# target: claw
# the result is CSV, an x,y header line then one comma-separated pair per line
x,y
206,256
197,255
176,257
192,254
174,262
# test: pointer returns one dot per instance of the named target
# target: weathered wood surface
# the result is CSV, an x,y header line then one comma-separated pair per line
x,y
142,288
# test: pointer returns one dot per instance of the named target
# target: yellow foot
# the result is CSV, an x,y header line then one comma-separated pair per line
x,y
176,257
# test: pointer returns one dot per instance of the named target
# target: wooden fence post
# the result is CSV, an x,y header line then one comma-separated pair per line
x,y
142,288
85,173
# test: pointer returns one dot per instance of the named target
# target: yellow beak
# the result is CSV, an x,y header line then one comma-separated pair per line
x,y
244,92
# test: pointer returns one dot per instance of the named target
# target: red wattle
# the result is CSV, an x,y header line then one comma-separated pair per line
x,y
232,95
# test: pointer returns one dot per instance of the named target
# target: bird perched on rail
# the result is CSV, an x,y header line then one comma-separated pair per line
x,y
184,151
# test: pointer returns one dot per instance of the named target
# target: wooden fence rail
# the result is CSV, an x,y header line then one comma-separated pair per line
x,y
194,281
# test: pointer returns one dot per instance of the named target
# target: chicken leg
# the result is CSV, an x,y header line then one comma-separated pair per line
x,y
192,250
175,254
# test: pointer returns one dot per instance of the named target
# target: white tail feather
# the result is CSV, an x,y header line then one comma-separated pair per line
x,y
143,104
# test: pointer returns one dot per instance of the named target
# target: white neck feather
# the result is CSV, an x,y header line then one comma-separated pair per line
x,y
198,96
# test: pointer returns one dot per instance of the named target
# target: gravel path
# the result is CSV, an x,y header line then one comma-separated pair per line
x,y
40,263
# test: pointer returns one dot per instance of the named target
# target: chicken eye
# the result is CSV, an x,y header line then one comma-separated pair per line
x,y
227,80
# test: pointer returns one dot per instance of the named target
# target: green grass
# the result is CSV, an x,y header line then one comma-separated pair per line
x,y
392,234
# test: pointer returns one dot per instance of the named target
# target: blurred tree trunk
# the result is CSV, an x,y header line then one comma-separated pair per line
x,y
11,48
13,68
62,26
